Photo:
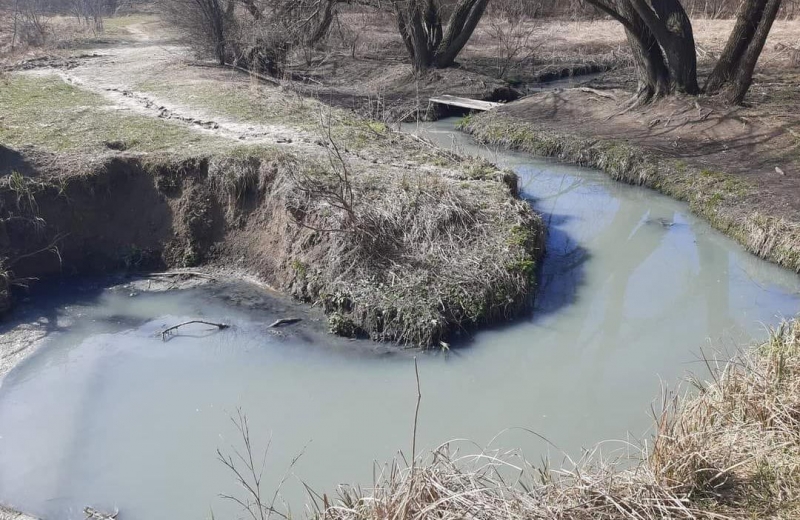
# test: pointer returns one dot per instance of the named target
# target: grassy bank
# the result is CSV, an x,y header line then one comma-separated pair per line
x,y
726,201
411,244
730,449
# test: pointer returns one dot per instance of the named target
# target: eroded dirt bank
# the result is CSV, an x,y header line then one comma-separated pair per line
x,y
392,258
736,168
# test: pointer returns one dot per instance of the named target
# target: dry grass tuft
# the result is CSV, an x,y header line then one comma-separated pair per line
x,y
408,256
730,451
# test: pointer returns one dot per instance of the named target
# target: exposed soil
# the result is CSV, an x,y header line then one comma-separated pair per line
x,y
749,143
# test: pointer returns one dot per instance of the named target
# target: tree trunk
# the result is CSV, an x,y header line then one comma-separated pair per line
x,y
420,25
672,28
747,20
744,75
652,72
462,24
215,17
651,67
402,26
16,18
324,24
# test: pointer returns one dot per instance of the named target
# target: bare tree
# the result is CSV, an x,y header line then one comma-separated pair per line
x,y
429,43
737,61
204,21
89,11
512,26
30,25
661,37
255,34
747,64
309,19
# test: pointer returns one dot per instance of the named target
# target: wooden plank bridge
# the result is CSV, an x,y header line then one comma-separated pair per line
x,y
473,104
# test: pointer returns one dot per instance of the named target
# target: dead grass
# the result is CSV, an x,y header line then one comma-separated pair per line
x,y
730,449
404,256
66,33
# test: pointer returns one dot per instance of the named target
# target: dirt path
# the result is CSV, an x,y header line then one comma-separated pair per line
x,y
150,55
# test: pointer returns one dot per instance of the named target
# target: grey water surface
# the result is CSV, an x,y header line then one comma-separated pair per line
x,y
632,290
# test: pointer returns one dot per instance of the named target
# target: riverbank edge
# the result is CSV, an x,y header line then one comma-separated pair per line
x,y
247,209
725,448
721,199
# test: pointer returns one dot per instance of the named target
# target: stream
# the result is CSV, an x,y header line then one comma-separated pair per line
x,y
632,291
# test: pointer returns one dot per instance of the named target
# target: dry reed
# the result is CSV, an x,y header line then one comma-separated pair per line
x,y
729,450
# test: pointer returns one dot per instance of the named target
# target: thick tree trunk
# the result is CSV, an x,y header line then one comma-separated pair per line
x,y
747,20
653,76
462,24
420,25
744,75
670,25
651,68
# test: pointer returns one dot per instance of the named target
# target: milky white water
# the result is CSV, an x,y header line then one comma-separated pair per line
x,y
631,290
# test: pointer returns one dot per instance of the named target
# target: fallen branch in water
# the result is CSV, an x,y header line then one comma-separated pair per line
x,y
166,332
285,321
171,274
91,512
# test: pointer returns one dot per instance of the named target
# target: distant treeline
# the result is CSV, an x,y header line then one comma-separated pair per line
x,y
578,9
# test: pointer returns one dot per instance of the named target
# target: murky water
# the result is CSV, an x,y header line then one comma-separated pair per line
x,y
632,289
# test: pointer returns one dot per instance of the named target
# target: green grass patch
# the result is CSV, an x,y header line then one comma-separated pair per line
x,y
48,113
254,103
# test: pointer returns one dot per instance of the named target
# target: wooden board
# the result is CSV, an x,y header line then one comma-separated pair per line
x,y
473,104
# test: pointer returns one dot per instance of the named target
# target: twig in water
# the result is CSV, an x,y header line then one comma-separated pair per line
x,y
166,332
285,321
413,442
